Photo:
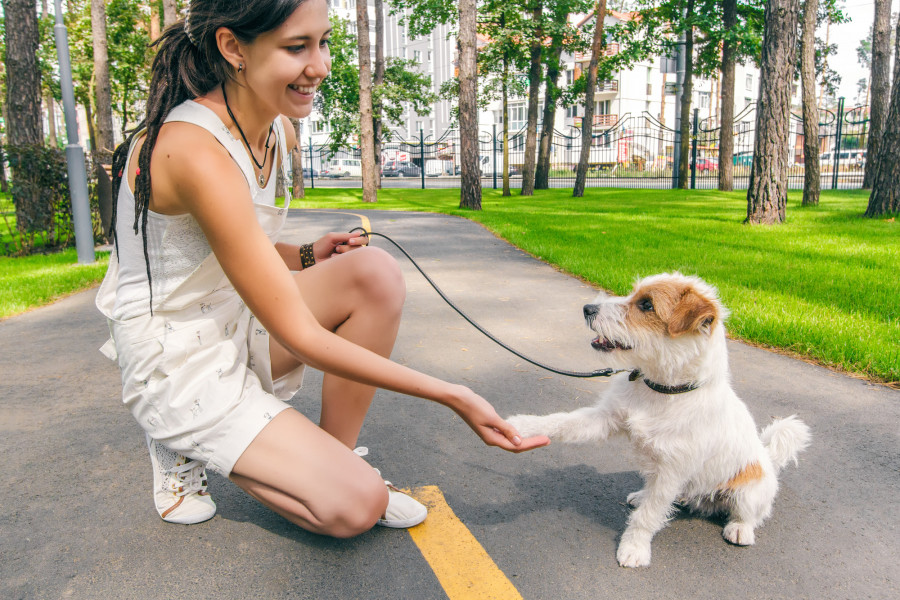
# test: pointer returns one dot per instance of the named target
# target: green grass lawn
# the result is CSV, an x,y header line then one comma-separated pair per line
x,y
823,285
33,281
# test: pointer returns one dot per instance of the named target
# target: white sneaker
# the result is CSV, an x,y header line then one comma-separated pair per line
x,y
179,486
402,511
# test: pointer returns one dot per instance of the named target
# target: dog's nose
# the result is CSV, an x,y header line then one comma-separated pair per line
x,y
590,310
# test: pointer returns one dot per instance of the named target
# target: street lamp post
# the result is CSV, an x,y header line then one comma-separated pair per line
x,y
81,209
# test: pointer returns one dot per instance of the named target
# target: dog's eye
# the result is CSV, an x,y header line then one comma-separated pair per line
x,y
646,305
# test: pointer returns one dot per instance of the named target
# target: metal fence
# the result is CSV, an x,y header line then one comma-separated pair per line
x,y
636,151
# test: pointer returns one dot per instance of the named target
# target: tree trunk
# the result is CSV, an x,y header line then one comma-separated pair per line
x,y
587,125
542,173
102,93
534,90
377,83
23,95
885,197
470,182
811,176
297,182
170,12
767,193
880,86
687,92
504,95
366,130
726,122
23,79
51,122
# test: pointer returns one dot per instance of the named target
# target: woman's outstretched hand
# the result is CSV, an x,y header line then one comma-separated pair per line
x,y
494,431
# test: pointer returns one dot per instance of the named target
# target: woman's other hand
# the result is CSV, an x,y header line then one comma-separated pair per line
x,y
338,243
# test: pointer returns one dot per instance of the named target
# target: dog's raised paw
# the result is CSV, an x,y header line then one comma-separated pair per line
x,y
633,555
526,425
739,533
634,499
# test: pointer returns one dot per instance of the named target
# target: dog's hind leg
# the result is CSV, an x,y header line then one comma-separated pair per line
x,y
750,506
655,507
588,424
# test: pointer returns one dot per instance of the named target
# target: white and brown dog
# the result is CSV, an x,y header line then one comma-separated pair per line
x,y
695,439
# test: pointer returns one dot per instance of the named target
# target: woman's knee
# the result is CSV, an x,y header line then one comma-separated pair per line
x,y
379,277
356,512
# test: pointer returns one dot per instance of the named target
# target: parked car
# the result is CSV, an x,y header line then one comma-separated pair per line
x,y
343,167
707,164
401,169
307,172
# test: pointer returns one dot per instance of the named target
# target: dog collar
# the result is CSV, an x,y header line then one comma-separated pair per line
x,y
664,389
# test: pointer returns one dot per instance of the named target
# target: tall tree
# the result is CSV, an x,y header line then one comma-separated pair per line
x,y
587,125
23,93
470,184
366,126
170,12
534,89
767,192
104,132
297,183
726,127
377,82
687,94
885,197
23,78
880,86
548,118
811,177
129,58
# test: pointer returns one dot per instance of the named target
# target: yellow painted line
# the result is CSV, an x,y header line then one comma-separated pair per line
x,y
463,568
363,219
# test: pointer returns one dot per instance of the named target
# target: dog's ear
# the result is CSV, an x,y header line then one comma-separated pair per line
x,y
692,313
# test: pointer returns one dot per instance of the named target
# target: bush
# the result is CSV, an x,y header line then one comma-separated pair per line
x,y
43,205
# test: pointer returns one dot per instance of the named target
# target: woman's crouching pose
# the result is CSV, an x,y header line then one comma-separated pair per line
x,y
213,319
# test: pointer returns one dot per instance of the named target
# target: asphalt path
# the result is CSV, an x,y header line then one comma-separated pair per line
x,y
77,519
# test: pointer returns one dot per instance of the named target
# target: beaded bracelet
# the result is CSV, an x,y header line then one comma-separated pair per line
x,y
307,258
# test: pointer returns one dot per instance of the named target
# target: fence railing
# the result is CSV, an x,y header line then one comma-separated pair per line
x,y
635,151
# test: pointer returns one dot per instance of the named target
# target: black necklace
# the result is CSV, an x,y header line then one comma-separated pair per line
x,y
259,165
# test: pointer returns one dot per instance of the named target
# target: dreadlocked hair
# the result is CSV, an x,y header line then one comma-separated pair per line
x,y
187,64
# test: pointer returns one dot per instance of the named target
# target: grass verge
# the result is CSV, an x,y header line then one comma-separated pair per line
x,y
823,285
32,281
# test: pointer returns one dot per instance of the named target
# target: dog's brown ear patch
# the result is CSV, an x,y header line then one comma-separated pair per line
x,y
692,313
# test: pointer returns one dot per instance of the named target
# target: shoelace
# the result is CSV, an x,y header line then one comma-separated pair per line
x,y
192,477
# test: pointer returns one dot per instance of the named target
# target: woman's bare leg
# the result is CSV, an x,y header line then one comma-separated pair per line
x,y
306,473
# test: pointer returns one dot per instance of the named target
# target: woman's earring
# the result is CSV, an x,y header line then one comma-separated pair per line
x,y
240,67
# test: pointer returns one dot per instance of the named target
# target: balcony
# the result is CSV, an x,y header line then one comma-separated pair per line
x,y
600,121
610,50
609,85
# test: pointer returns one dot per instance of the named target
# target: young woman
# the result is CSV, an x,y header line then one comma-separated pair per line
x,y
213,319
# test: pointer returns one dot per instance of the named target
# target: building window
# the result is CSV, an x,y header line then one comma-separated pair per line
x,y
516,116
602,108
749,82
704,99
570,77
429,56
417,56
571,111
649,89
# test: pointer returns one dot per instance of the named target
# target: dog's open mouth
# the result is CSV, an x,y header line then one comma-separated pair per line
x,y
606,345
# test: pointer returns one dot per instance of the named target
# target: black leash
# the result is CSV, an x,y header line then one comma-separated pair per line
x,y
598,373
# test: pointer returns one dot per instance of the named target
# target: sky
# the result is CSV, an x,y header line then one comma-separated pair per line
x,y
847,37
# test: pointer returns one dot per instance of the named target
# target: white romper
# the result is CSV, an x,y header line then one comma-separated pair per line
x,y
196,373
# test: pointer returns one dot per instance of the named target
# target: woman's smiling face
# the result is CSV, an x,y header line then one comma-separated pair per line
x,y
284,66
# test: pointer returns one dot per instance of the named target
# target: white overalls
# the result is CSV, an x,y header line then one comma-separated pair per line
x,y
196,374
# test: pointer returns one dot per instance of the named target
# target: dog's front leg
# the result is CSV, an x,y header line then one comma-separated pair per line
x,y
652,513
588,424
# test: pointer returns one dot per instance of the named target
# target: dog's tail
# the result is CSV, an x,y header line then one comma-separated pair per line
x,y
785,439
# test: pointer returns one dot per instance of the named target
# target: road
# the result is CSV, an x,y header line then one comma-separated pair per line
x,y
77,520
